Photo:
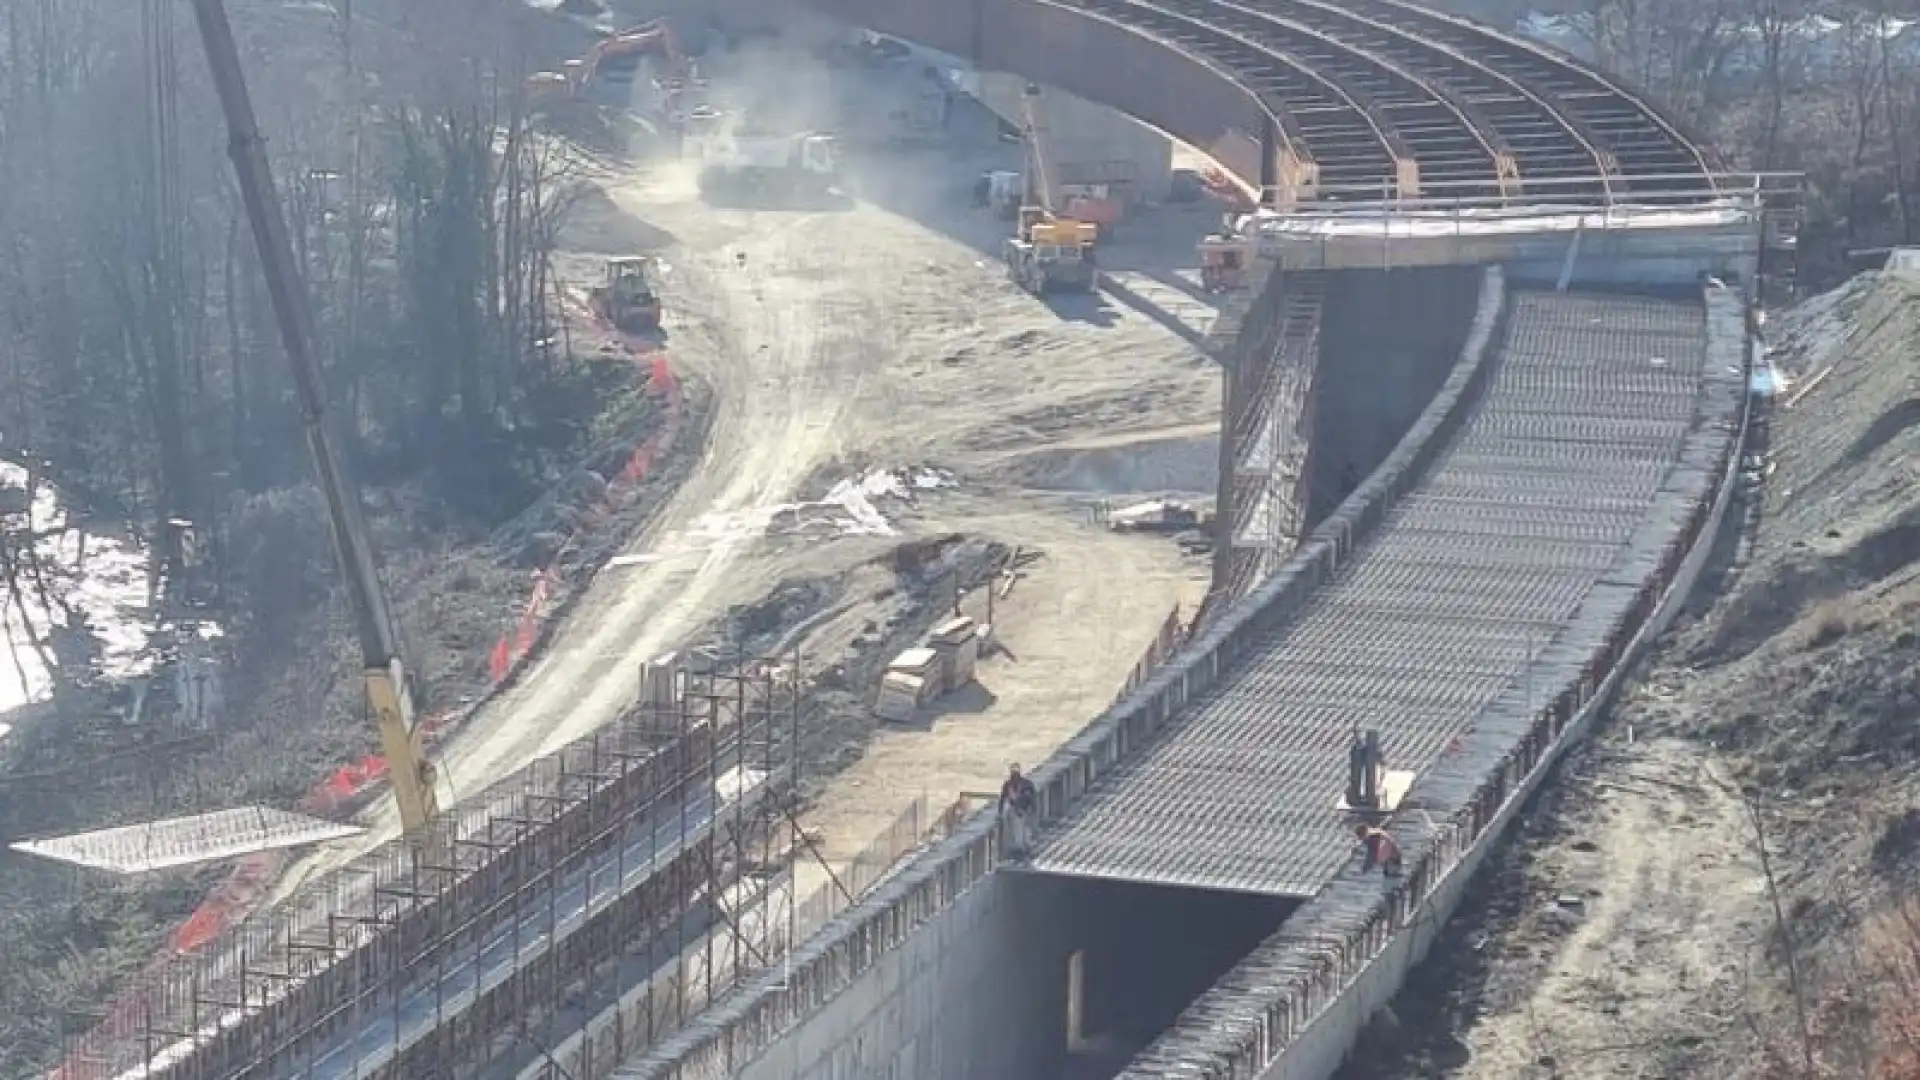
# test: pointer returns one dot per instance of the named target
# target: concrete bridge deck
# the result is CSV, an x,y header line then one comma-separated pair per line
x,y
958,969
1586,411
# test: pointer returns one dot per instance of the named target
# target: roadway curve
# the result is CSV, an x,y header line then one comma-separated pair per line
x,y
1295,96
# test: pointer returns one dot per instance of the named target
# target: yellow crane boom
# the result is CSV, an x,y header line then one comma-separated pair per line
x,y
388,691
1039,178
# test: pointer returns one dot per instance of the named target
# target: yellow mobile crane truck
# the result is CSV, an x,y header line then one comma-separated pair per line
x,y
1047,253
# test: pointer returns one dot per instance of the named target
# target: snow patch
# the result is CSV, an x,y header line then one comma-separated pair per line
x,y
853,506
70,582
856,498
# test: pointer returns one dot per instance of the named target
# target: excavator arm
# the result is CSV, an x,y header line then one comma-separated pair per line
x,y
656,36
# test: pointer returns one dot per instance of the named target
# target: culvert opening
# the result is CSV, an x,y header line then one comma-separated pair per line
x,y
1132,956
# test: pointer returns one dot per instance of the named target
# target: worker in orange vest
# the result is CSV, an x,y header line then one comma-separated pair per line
x,y
1382,850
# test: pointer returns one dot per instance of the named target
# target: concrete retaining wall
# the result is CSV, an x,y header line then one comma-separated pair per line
x,y
782,1010
1387,341
1631,258
954,1000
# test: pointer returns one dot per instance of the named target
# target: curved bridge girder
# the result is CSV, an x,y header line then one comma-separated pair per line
x,y
1486,95
1330,113
1319,87
1439,133
1640,142
1194,98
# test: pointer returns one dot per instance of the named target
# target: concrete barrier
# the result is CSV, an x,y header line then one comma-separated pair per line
x,y
738,1031
1302,998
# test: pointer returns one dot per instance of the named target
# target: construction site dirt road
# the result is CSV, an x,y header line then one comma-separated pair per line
x,y
877,334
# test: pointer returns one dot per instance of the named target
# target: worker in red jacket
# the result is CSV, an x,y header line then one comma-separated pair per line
x,y
1382,850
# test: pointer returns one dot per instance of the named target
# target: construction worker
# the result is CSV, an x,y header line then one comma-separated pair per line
x,y
1381,849
1018,793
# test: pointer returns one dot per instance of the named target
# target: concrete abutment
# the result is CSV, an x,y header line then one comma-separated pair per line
x,y
978,991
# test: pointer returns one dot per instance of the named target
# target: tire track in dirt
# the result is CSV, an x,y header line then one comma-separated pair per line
x,y
777,339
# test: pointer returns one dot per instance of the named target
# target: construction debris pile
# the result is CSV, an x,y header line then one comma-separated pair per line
x,y
922,674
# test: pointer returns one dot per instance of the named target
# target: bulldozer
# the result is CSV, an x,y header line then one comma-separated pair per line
x,y
627,299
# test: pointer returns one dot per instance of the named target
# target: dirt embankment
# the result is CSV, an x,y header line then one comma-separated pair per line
x,y
1721,886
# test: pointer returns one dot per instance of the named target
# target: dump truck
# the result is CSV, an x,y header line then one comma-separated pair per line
x,y
740,161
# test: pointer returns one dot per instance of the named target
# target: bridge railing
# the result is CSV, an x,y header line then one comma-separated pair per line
x,y
922,822
1166,641
1645,196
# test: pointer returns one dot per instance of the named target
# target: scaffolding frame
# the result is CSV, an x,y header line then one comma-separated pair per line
x,y
417,958
1268,400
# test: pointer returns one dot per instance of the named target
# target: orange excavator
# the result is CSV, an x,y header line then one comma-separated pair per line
x,y
655,37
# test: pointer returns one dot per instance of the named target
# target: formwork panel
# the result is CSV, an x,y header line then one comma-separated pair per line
x,y
186,841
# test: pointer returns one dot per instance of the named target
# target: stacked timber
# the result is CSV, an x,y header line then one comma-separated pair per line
x,y
912,679
945,664
957,641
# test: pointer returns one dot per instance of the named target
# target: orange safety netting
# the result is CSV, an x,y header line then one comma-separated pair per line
x,y
514,645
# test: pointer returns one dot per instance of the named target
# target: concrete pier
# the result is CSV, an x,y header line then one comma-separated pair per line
x,y
1085,137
